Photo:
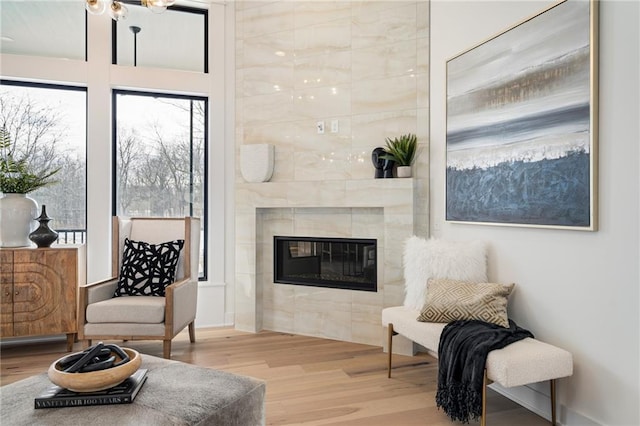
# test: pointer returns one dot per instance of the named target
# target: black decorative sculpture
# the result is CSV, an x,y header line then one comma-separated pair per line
x,y
387,170
384,167
43,236
94,358
378,162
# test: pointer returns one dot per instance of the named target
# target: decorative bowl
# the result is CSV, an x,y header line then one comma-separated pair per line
x,y
95,380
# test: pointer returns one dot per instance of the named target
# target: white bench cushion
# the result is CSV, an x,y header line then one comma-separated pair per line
x,y
520,363
127,309
404,322
528,361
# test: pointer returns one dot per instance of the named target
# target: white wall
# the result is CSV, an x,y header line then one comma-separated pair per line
x,y
577,290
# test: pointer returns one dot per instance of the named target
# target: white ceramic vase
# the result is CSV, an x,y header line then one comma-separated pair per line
x,y
256,162
404,171
17,220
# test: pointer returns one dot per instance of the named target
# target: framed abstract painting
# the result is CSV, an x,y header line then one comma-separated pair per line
x,y
522,129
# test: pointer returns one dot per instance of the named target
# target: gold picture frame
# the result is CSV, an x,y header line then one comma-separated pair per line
x,y
522,123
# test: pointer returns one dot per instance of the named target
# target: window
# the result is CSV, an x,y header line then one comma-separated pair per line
x,y
35,35
159,157
175,39
47,126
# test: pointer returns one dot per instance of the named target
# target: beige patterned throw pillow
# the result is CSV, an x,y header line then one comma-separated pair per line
x,y
450,300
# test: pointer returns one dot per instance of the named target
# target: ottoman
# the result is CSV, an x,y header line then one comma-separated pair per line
x,y
175,393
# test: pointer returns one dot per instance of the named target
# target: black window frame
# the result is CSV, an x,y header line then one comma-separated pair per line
x,y
74,88
114,160
204,12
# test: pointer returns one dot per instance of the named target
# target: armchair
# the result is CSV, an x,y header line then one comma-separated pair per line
x,y
105,317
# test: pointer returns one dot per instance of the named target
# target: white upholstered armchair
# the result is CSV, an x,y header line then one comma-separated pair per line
x,y
144,316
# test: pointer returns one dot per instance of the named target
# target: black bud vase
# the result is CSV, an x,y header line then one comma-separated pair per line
x,y
43,236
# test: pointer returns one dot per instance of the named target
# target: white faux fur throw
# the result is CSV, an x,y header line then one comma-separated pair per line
x,y
435,258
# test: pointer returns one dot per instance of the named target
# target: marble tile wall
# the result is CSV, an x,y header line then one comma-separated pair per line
x,y
333,313
333,208
364,64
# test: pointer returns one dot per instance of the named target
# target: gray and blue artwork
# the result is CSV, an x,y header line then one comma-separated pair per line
x,y
519,124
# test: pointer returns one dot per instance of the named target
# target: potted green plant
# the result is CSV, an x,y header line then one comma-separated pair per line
x,y
402,150
17,179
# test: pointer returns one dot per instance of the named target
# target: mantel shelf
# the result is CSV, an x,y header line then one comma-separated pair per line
x,y
385,193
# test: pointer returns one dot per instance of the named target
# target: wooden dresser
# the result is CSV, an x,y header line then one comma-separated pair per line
x,y
38,291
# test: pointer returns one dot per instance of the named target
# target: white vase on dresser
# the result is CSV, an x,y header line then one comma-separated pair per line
x,y
17,214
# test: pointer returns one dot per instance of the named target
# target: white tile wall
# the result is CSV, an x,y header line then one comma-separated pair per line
x,y
365,64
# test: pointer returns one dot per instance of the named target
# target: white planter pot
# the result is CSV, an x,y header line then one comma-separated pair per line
x,y
256,162
17,220
404,171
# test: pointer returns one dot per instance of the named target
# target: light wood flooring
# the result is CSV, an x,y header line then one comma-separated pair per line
x,y
310,381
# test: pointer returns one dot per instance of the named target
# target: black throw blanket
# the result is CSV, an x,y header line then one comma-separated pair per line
x,y
462,355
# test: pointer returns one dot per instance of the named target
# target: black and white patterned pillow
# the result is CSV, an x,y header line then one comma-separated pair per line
x,y
147,269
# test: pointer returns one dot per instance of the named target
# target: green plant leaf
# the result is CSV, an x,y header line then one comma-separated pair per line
x,y
16,177
402,149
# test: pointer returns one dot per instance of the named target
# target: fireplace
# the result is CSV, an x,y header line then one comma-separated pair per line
x,y
346,263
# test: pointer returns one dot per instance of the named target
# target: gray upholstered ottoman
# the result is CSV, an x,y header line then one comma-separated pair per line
x,y
175,393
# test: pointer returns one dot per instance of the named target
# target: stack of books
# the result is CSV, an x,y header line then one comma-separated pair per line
x,y
124,393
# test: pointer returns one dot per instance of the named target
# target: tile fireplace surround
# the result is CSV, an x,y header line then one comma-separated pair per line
x,y
370,208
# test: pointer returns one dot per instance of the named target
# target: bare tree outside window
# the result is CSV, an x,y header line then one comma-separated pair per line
x,y
47,127
160,156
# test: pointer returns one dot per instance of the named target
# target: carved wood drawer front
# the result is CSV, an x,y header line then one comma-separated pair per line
x,y
39,288
6,293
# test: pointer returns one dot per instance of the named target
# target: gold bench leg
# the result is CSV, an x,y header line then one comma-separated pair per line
x,y
483,419
552,383
389,348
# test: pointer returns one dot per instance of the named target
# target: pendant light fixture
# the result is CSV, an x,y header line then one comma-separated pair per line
x,y
117,9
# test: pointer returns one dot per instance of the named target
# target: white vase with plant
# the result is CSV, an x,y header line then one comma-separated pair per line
x,y
17,210
402,150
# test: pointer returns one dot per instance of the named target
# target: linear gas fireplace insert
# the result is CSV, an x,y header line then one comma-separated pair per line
x,y
347,263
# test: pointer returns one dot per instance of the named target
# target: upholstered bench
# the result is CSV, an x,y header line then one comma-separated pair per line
x,y
520,363
175,393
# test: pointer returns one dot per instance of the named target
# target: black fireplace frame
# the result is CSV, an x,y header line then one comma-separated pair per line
x,y
279,277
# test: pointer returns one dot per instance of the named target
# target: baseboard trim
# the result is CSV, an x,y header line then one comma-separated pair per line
x,y
531,399
535,398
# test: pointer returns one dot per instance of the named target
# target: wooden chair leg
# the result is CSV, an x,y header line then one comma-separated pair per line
x,y
71,338
390,348
166,349
483,419
552,383
192,332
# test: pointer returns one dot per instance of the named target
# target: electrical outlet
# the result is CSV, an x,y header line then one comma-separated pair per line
x,y
320,127
335,126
